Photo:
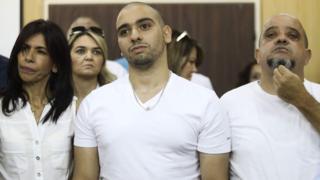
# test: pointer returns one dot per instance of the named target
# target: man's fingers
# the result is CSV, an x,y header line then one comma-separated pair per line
x,y
282,74
277,75
276,82
283,70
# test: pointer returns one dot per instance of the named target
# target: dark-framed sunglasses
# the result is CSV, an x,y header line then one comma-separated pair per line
x,y
82,29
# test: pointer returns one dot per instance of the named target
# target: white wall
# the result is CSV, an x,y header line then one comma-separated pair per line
x,y
10,25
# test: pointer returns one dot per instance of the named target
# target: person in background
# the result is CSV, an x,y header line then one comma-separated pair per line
x,y
184,58
123,62
3,71
88,54
88,22
201,80
252,72
171,129
37,107
273,136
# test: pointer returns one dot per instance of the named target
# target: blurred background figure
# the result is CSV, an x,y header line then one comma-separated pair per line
x,y
123,62
201,80
184,58
87,22
88,54
3,71
37,107
251,72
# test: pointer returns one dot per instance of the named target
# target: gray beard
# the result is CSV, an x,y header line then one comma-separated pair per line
x,y
274,63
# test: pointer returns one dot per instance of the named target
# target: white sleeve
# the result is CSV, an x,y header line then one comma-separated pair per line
x,y
214,137
84,133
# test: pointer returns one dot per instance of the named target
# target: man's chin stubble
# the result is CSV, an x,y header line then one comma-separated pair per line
x,y
142,64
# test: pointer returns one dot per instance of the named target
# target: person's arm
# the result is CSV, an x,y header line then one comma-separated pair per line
x,y
214,166
290,88
86,163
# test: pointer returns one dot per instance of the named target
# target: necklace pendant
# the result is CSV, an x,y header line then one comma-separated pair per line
x,y
148,108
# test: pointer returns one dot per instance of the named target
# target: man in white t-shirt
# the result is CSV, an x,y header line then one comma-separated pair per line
x,y
151,124
273,136
114,67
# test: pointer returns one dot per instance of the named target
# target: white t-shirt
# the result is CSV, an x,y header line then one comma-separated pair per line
x,y
159,144
116,69
31,151
202,80
271,139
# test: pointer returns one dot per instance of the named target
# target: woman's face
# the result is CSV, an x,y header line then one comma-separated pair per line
x,y
255,73
34,62
87,57
190,65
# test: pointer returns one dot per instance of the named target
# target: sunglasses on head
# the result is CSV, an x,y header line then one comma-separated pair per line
x,y
82,29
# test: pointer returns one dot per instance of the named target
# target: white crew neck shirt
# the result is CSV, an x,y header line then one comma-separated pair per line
x,y
271,139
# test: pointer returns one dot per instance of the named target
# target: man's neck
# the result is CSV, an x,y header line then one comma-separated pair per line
x,y
147,83
266,83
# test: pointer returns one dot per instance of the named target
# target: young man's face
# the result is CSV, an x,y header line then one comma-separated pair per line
x,y
141,36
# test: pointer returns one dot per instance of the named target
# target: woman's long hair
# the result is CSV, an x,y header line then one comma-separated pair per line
x,y
59,89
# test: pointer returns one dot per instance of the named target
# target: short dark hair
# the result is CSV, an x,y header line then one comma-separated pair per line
x,y
157,13
177,50
59,85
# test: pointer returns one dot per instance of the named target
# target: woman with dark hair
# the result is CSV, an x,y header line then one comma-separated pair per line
x,y
3,71
38,107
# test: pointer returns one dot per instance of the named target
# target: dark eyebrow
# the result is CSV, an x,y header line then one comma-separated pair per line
x,y
270,28
84,47
37,47
97,48
144,19
25,45
137,22
80,46
41,48
293,29
122,26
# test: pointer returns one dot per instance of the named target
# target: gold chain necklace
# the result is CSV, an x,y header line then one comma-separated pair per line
x,y
136,98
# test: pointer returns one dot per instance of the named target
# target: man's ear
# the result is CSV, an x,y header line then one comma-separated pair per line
x,y
257,55
308,54
167,33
